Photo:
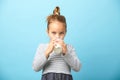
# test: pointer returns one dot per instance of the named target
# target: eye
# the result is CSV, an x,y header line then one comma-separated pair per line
x,y
53,32
61,32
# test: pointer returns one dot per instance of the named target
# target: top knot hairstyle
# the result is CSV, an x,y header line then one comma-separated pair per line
x,y
56,11
56,17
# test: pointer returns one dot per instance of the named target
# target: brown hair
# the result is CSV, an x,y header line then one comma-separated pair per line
x,y
56,17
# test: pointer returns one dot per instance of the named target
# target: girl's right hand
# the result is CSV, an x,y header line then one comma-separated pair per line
x,y
49,48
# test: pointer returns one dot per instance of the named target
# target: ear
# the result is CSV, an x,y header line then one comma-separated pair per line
x,y
65,33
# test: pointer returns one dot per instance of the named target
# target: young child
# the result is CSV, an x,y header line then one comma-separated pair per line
x,y
56,62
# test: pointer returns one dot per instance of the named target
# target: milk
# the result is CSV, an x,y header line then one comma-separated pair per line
x,y
57,48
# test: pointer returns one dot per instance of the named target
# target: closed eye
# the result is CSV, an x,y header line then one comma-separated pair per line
x,y
61,32
53,32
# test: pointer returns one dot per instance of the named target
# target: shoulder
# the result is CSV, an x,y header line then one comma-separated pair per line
x,y
69,46
41,47
70,49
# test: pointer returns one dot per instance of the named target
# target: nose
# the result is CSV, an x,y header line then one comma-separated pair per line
x,y
57,36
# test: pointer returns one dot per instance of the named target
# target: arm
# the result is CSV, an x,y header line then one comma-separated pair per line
x,y
39,59
71,58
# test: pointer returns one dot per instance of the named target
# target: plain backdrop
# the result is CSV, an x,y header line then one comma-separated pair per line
x,y
93,28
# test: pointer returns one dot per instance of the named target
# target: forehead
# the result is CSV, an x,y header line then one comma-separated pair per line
x,y
57,26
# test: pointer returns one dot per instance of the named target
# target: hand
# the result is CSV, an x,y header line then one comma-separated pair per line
x,y
50,48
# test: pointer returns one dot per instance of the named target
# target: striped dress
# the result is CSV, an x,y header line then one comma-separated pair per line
x,y
57,66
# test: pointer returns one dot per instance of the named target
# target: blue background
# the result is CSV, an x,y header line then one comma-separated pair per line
x,y
93,29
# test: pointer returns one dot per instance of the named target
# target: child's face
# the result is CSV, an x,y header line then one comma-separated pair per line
x,y
56,30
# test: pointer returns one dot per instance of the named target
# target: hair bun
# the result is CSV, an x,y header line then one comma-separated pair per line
x,y
56,11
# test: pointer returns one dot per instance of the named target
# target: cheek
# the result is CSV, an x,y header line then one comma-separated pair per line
x,y
62,37
51,36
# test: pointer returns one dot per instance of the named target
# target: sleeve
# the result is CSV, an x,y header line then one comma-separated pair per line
x,y
72,59
39,59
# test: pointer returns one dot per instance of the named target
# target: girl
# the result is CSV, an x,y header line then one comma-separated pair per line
x,y
56,62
